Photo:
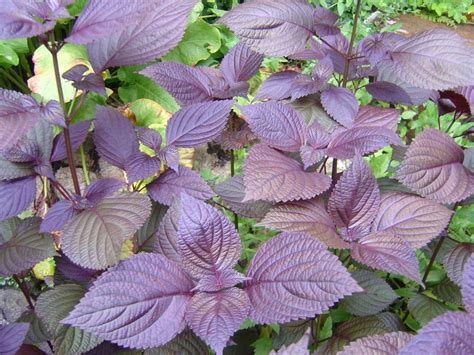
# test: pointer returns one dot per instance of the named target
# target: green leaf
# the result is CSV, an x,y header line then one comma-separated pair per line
x,y
44,82
199,41
262,346
8,57
52,307
137,86
19,45
186,343
150,114
448,291
424,308
290,333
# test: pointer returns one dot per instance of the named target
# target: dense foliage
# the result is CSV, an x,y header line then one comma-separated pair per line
x,y
337,150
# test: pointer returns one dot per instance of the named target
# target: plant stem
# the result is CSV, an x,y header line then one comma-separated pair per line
x,y
334,171
351,44
316,329
67,137
84,165
24,289
232,173
20,85
430,264
45,192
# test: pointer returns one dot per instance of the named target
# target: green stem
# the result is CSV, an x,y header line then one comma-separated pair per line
x,y
84,165
351,44
232,173
19,83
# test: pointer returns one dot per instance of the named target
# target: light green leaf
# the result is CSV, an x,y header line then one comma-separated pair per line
x,y
8,57
424,308
19,45
199,41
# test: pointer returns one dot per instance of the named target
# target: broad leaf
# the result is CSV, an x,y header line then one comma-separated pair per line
x,y
278,86
415,59
415,219
433,168
12,305
12,336
373,116
294,276
78,133
356,198
450,333
58,215
22,246
387,252
424,308
240,64
308,216
16,196
13,170
158,30
186,343
197,124
377,295
272,27
448,291
166,237
140,303
171,184
276,124
101,230
52,307
102,188
271,176
455,259
146,235
468,285
341,105
66,271
215,317
387,344
207,240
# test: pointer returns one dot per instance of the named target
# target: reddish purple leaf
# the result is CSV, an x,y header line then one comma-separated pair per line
x,y
220,280
12,336
323,70
16,196
171,184
310,156
325,22
207,241
356,198
186,84
156,32
364,139
372,116
450,333
304,85
169,155
149,137
140,166
276,124
468,93
101,189
313,52
340,104
166,237
53,113
271,176
278,86
10,170
67,270
198,123
215,317
240,64
293,276
272,27
455,260
114,137
308,216
78,133
387,252
468,285
386,344
415,219
396,94
140,303
18,21
58,215
376,47
433,168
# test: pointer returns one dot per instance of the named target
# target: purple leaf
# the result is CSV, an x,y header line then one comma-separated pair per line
x,y
450,333
207,241
22,246
157,31
372,116
16,196
149,137
310,156
387,252
468,93
146,236
232,192
364,139
18,114
78,133
325,22
186,343
94,238
114,137
90,82
323,70
139,166
12,336
355,200
58,215
240,64
376,47
76,73
341,105
433,168
468,285
215,317
102,188
169,155
309,217
198,123
10,170
171,184
53,113
142,303
414,60
236,135
186,84
271,176
276,124
166,237
313,52
293,276
272,27
317,137
70,271
336,45
100,19
455,260
386,344
278,86
17,22
415,219
393,93
220,280
304,85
